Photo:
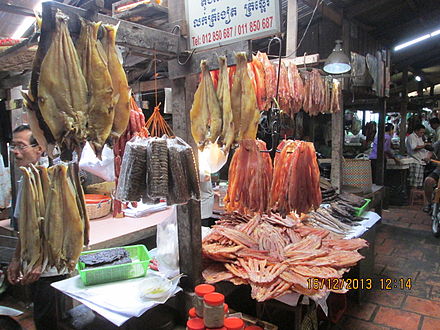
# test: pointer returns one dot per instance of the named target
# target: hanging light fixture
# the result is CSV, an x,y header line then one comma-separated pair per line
x,y
337,62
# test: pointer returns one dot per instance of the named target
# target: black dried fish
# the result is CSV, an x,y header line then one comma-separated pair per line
x,y
104,257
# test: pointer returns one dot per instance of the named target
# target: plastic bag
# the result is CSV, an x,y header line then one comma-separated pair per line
x,y
167,246
103,168
5,184
131,182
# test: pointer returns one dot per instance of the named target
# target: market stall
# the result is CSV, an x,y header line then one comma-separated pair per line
x,y
277,234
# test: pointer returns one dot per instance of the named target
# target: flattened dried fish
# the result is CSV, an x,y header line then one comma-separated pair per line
x,y
99,82
62,89
121,90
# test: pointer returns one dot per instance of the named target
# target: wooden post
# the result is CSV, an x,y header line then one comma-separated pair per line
x,y
337,148
380,168
292,28
189,215
403,111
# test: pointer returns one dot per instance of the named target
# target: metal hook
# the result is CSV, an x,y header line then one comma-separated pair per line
x,y
279,61
179,52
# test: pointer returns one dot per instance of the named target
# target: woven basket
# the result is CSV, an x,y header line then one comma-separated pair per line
x,y
357,173
98,208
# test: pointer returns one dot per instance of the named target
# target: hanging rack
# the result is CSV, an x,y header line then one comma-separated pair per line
x,y
274,113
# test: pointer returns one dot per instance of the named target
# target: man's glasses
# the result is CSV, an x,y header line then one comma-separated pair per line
x,y
21,147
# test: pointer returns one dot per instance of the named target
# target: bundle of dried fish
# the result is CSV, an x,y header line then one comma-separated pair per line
x,y
157,168
52,225
276,258
62,90
132,183
183,183
109,257
324,219
99,82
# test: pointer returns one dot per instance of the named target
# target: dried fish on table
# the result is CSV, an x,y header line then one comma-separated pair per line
x,y
242,255
103,257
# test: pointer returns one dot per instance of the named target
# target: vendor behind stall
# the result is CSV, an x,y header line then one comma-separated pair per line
x,y
435,125
415,146
27,151
389,131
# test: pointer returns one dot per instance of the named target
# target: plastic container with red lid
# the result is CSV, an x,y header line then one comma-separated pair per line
x,y
214,310
234,323
195,324
222,328
192,313
253,327
201,290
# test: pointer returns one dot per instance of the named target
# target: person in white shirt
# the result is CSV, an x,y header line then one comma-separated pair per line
x,y
415,146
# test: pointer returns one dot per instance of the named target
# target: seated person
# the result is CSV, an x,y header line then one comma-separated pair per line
x,y
431,180
415,146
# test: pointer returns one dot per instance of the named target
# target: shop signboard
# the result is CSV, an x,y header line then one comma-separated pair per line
x,y
214,23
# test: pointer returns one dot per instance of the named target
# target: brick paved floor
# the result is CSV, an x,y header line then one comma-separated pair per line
x,y
405,248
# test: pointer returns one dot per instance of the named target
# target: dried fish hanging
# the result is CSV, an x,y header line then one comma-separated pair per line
x,y
136,126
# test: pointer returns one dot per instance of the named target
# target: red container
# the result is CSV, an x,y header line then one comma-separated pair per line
x,y
234,323
195,324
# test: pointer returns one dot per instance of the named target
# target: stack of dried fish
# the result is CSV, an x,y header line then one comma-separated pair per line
x,y
154,168
295,185
276,256
53,222
324,218
136,124
77,93
250,177
328,192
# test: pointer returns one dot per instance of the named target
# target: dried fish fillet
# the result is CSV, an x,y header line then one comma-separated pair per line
x,y
121,90
99,83
62,89
224,98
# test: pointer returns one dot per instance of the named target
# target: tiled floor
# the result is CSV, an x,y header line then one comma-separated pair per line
x,y
405,248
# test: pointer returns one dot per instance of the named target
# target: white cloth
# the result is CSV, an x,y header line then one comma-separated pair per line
x,y
412,141
116,301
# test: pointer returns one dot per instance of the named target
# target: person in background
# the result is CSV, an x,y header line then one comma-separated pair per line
x,y
27,151
415,146
389,131
435,125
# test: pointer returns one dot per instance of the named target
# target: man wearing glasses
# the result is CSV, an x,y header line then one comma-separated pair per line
x,y
27,151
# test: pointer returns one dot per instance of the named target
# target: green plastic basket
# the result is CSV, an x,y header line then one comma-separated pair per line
x,y
137,268
363,208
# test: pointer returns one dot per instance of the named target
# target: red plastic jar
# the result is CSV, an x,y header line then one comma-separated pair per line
x,y
201,290
192,313
195,324
234,323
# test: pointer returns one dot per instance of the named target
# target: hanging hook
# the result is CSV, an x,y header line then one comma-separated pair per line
x,y
179,52
279,61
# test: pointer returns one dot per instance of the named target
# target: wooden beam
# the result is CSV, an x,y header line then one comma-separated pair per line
x,y
175,70
132,35
8,8
361,7
17,80
326,11
151,85
292,28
